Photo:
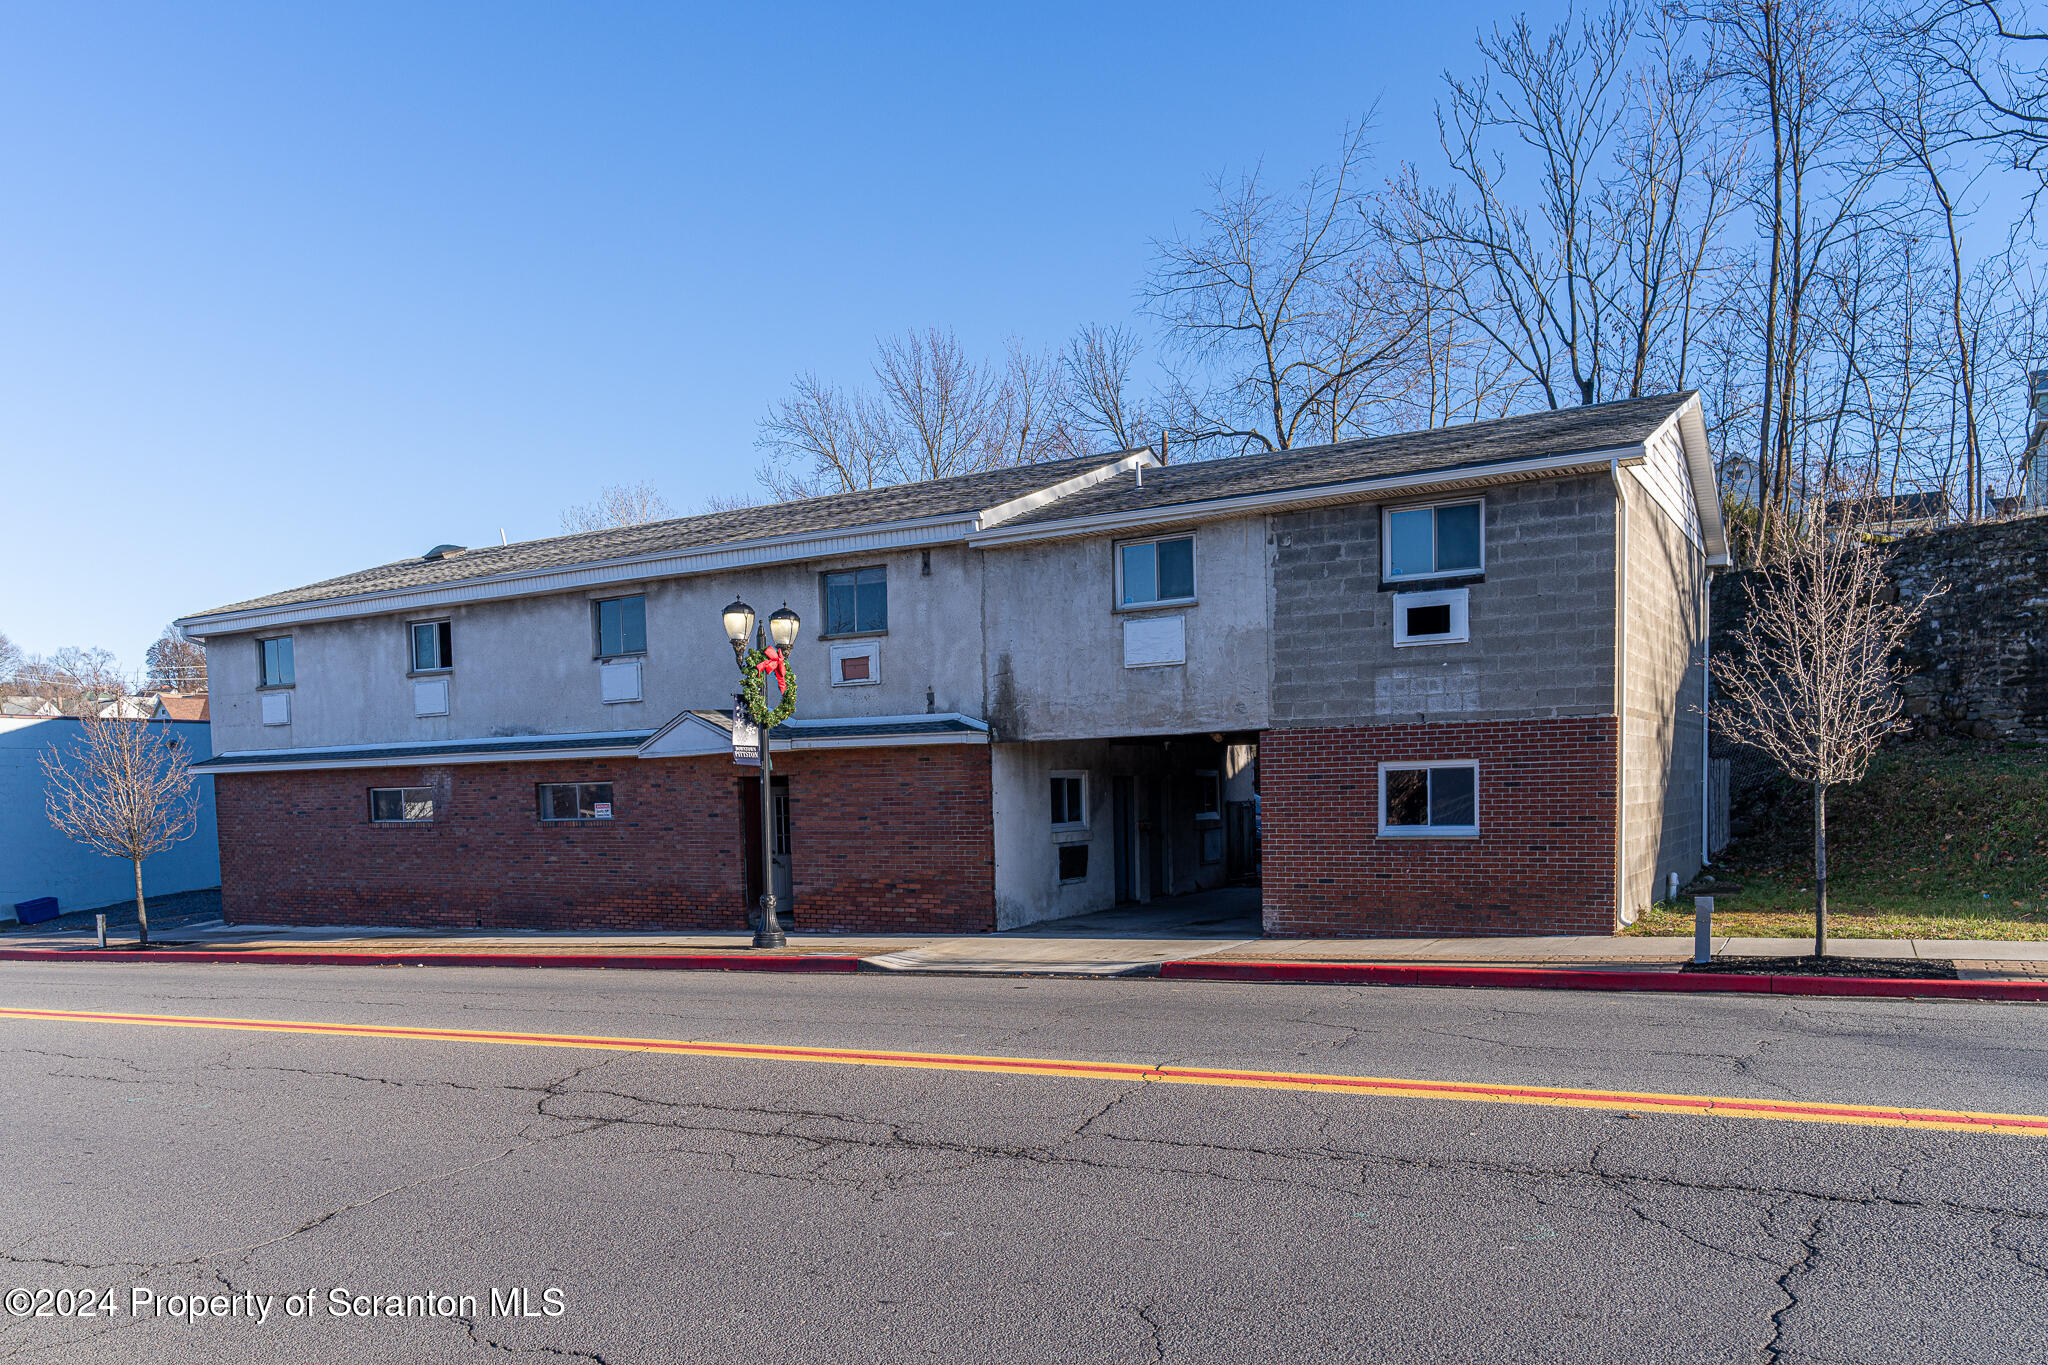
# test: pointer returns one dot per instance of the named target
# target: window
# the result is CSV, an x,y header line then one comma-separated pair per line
x,y
1154,572
857,602
1073,862
621,626
576,801
277,661
1433,618
1428,542
1440,799
431,652
397,805
1208,795
1069,800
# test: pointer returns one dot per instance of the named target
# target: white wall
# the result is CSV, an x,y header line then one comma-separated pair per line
x,y
525,666
1055,641
1028,888
35,860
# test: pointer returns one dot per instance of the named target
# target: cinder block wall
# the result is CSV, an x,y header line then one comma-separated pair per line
x,y
1542,618
1663,724
1543,862
882,839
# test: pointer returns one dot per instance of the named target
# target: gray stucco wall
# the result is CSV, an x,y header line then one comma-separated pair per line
x,y
1662,725
1542,622
1055,641
525,666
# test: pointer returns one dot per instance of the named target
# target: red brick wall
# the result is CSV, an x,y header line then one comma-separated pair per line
x,y
1543,862
881,840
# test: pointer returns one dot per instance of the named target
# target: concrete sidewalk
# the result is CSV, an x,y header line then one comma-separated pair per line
x,y
1113,946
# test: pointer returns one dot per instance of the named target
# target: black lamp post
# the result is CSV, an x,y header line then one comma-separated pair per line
x,y
757,650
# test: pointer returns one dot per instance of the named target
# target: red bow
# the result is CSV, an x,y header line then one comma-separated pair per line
x,y
771,662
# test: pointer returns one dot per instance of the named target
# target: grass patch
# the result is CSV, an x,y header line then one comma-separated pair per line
x,y
1943,839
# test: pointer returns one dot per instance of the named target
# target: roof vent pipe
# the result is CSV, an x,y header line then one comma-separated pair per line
x,y
1139,470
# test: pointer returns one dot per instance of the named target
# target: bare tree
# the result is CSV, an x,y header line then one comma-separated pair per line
x,y
128,793
1811,679
1987,53
618,504
1098,389
11,660
77,679
175,664
934,411
1255,303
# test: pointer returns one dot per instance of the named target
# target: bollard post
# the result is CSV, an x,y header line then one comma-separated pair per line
x,y
100,923
1702,929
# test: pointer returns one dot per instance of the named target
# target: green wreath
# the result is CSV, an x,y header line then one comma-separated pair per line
x,y
754,688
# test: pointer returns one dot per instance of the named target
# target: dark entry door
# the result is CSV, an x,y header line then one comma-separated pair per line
x,y
1123,817
750,824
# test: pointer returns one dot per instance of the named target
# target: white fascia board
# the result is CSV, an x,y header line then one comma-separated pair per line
x,y
1356,490
1706,490
1031,502
922,531
693,736
411,760
878,741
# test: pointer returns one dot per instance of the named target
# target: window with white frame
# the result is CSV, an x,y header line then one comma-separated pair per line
x,y
1155,573
1208,795
1070,801
1439,800
1433,618
1434,541
432,646
401,805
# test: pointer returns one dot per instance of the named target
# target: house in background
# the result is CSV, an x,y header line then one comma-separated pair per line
x,y
30,707
37,861
1461,670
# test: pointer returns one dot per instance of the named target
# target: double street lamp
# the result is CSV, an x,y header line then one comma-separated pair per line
x,y
762,653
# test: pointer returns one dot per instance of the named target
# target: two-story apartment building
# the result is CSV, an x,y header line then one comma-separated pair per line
x,y
1450,681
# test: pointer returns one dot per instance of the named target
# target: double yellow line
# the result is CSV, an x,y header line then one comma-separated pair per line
x,y
1558,1097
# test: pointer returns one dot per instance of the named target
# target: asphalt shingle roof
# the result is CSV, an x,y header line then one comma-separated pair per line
x,y
963,493
1563,432
1477,444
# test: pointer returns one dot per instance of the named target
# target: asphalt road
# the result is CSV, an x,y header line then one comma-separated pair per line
x,y
695,1208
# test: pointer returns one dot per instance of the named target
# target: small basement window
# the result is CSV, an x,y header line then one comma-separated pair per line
x,y
621,624
1073,862
432,646
1433,618
1429,799
575,801
1429,542
397,805
1152,573
277,661
1070,801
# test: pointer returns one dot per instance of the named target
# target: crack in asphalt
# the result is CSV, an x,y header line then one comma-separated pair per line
x,y
1774,1349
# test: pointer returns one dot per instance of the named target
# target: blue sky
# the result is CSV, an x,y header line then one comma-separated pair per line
x,y
286,291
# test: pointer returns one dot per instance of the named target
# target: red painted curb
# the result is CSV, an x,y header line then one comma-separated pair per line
x,y
679,962
1574,979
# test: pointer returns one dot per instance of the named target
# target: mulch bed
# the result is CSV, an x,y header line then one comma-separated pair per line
x,y
1909,969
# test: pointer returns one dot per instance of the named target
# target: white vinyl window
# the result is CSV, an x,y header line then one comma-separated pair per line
x,y
1429,800
1432,542
433,646
1155,573
1433,618
1070,800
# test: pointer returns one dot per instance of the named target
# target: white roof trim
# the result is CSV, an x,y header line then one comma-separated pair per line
x,y
1353,490
1031,502
692,736
922,531
1706,489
